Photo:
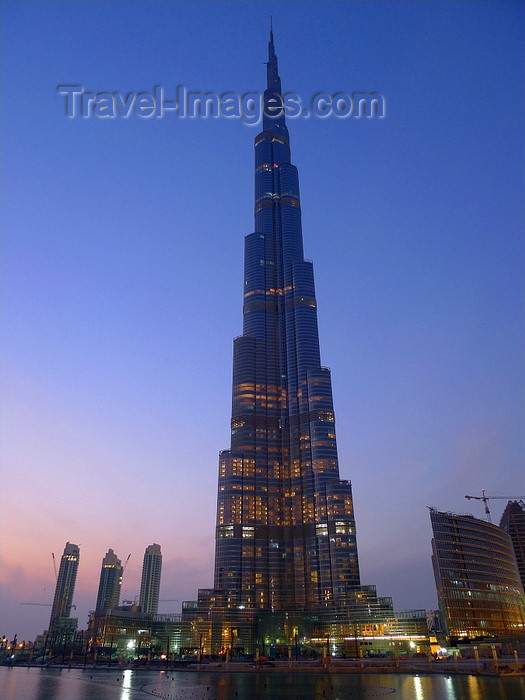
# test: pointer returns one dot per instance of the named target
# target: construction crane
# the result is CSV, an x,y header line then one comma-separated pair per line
x,y
161,600
46,605
486,498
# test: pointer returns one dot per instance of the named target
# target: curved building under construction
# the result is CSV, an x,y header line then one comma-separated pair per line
x,y
477,580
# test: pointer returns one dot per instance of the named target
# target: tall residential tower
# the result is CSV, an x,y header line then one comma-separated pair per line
x,y
110,582
65,588
150,582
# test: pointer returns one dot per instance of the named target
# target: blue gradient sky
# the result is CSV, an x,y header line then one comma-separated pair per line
x,y
122,277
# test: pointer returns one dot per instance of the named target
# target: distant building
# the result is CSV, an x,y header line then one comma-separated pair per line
x,y
61,622
150,582
478,585
513,522
110,582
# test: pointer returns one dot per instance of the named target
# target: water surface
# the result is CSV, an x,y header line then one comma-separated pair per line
x,y
75,684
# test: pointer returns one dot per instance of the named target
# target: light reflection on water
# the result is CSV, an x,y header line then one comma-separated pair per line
x,y
103,684
449,686
418,688
126,684
475,692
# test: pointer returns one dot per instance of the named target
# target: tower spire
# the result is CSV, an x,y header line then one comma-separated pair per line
x,y
273,82
273,101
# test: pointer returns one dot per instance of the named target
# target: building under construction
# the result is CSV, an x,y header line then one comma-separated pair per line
x,y
477,580
61,624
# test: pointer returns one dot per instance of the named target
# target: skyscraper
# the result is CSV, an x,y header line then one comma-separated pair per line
x,y
65,588
285,535
110,582
478,586
286,564
150,582
513,522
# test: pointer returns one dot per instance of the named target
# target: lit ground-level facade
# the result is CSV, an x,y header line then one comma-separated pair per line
x,y
367,627
127,633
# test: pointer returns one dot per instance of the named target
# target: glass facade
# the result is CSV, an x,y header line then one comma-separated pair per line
x,y
477,580
285,538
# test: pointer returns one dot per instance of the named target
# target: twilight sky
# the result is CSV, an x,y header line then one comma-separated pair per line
x,y
122,277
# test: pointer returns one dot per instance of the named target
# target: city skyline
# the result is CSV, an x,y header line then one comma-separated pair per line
x,y
117,360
